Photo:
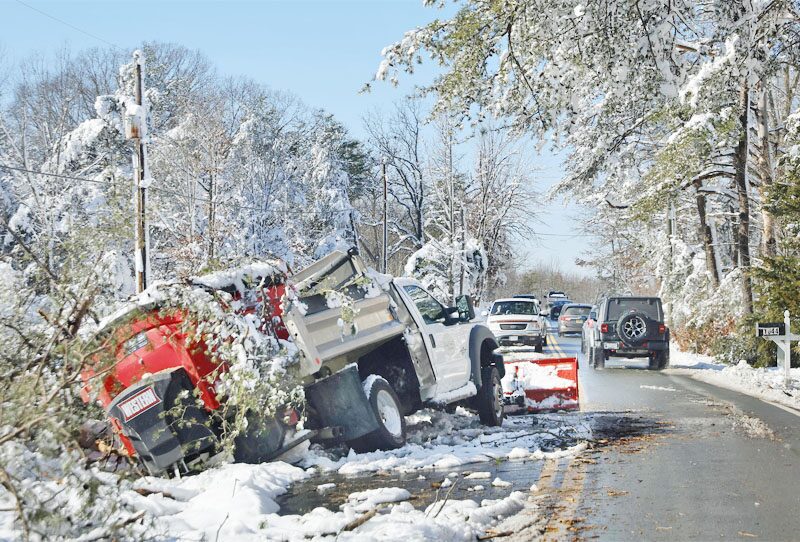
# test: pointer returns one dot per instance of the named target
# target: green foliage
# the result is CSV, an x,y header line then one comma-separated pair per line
x,y
777,283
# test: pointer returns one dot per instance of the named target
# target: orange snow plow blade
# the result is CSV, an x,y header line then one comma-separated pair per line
x,y
540,385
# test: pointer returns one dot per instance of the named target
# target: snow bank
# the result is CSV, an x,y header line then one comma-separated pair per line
x,y
445,441
764,383
238,502
230,502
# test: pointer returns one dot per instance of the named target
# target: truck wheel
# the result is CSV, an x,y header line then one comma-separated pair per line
x,y
597,358
391,431
489,400
544,341
659,360
538,348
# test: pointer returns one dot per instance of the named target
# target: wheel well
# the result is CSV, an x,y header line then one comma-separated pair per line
x,y
487,356
393,362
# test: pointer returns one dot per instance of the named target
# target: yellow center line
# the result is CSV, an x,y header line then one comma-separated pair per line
x,y
547,474
564,512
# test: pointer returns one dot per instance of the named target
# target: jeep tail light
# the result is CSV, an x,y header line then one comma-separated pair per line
x,y
603,328
563,318
662,329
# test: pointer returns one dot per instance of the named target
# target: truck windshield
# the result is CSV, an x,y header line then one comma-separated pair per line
x,y
650,306
528,308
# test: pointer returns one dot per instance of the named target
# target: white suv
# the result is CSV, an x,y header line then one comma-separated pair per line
x,y
517,321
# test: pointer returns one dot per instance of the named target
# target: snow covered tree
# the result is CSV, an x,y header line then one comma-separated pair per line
x,y
665,108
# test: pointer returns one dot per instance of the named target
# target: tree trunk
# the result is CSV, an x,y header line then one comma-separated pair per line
x,y
767,175
708,238
743,231
211,217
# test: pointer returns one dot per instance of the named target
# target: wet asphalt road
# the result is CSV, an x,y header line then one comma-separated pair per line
x,y
672,459
710,464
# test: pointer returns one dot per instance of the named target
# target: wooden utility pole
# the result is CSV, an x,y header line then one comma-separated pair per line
x,y
138,131
385,263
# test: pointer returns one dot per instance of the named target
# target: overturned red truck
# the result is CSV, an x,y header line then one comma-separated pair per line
x,y
396,349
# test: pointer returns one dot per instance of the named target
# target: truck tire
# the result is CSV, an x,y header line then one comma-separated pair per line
x,y
597,358
634,328
391,431
538,348
544,340
489,400
659,360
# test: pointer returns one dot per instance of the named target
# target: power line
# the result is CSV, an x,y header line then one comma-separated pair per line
x,y
72,26
163,191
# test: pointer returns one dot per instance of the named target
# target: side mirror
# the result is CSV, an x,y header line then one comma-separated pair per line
x,y
484,313
466,311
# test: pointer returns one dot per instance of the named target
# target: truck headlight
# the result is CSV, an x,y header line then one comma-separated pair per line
x,y
534,326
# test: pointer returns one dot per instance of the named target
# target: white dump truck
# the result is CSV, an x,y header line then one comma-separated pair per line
x,y
374,348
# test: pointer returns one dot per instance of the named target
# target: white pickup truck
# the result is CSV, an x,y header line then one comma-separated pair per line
x,y
374,348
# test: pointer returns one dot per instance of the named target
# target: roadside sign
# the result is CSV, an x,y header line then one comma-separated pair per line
x,y
781,334
770,329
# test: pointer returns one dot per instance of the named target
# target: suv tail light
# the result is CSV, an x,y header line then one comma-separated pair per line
x,y
662,329
563,318
603,328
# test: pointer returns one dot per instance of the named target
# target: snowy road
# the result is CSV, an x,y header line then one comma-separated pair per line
x,y
708,463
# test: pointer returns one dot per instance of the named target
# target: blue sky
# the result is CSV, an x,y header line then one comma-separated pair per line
x,y
322,51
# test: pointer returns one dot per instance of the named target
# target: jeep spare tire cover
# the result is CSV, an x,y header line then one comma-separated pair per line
x,y
633,328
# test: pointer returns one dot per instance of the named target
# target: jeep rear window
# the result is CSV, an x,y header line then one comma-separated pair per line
x,y
651,307
528,308
576,311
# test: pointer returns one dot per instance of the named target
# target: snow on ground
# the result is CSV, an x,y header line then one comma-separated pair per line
x,y
441,441
765,383
238,501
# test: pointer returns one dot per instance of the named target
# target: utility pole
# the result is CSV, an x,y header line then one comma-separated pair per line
x,y
137,130
385,264
463,252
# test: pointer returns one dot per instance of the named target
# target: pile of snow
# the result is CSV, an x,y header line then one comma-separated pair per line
x,y
442,520
765,383
238,276
239,501
230,502
438,440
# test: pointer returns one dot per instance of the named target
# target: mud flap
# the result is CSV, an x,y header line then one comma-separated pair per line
x,y
339,400
162,421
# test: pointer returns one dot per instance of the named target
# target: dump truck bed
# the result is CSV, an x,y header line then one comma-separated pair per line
x,y
341,314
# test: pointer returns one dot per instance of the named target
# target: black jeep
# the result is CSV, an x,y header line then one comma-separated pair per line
x,y
630,327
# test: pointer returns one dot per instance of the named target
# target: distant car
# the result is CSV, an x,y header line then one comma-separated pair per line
x,y
588,329
517,321
527,296
556,306
572,318
630,327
